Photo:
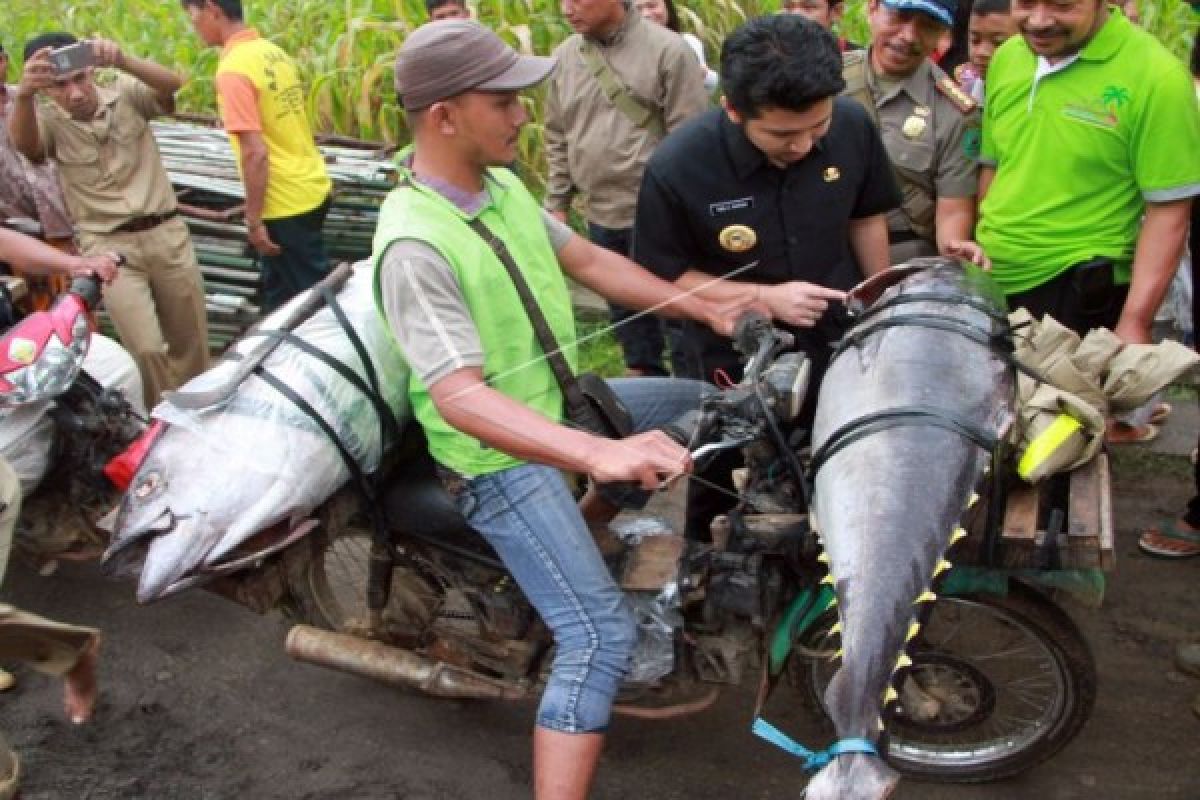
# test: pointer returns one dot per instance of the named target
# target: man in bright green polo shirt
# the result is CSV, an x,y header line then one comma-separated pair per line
x,y
1091,155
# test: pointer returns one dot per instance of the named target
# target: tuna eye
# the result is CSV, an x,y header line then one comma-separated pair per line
x,y
148,486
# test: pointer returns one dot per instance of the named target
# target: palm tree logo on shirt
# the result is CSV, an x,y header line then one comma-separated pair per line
x,y
1113,97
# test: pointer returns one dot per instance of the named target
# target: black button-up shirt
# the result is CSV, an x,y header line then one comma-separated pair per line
x,y
707,176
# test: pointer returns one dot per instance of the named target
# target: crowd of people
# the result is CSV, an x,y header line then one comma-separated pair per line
x,y
1060,148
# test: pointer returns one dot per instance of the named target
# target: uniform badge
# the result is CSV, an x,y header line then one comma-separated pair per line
x,y
22,351
737,238
913,127
831,174
922,111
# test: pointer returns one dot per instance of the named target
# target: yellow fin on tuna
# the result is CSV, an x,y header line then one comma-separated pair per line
x,y
913,629
926,597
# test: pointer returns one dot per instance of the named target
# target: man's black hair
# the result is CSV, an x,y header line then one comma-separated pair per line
x,y
230,8
672,15
991,7
433,5
784,61
55,40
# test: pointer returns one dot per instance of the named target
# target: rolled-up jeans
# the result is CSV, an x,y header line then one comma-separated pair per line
x,y
528,515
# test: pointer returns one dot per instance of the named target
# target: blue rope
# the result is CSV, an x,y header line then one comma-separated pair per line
x,y
813,759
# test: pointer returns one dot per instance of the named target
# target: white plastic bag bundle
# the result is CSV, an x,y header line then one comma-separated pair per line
x,y
260,438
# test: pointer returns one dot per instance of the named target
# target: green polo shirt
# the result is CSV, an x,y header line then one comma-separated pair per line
x,y
1080,150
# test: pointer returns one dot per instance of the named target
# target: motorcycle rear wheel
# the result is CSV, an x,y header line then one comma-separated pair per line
x,y
328,586
1014,678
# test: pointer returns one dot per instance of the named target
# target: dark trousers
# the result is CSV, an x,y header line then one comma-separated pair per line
x,y
1192,516
641,339
302,261
1076,305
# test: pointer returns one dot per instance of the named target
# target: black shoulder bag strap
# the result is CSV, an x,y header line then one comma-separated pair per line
x,y
578,409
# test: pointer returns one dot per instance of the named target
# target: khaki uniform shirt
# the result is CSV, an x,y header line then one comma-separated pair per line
x,y
110,165
593,148
29,190
932,142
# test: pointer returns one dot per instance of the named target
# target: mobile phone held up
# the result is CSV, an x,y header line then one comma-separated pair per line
x,y
72,57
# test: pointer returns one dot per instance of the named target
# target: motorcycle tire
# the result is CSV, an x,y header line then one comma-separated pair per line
x,y
1052,677
327,579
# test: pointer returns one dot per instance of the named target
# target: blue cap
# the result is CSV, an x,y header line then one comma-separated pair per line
x,y
941,10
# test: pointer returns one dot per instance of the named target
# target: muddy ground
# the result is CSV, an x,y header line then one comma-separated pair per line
x,y
199,701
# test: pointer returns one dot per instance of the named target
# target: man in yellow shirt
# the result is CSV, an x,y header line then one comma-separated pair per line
x,y
261,102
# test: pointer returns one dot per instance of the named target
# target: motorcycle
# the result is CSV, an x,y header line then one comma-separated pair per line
x,y
1001,677
67,429
399,589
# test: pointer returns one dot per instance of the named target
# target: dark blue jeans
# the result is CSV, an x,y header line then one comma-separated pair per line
x,y
641,339
302,261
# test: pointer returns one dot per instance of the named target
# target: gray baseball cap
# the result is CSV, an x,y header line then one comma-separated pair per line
x,y
446,58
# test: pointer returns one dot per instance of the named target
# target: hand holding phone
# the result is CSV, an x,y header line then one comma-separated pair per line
x,y
72,57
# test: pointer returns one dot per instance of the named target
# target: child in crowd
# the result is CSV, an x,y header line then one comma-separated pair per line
x,y
990,26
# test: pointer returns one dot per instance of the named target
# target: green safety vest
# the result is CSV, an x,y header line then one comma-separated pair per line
x,y
514,363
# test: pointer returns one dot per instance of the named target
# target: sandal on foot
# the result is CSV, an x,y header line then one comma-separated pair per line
x,y
10,772
1160,413
1170,541
1120,433
1187,659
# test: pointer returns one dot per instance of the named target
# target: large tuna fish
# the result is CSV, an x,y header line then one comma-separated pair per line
x,y
219,474
905,414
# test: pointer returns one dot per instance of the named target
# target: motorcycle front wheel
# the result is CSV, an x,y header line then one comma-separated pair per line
x,y
998,685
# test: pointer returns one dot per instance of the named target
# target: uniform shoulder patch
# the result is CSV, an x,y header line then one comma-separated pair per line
x,y
955,94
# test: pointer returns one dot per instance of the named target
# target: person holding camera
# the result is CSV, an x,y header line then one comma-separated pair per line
x,y
119,194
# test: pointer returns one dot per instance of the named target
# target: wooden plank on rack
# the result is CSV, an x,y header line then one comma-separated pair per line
x,y
1021,516
1108,552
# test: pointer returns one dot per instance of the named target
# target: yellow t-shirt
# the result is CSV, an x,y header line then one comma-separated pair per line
x,y
258,90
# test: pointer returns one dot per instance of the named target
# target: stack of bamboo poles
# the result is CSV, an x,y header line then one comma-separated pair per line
x,y
203,171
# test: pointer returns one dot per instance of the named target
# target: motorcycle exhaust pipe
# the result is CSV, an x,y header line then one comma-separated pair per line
x,y
394,666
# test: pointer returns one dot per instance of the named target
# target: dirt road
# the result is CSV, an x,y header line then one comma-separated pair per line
x,y
200,702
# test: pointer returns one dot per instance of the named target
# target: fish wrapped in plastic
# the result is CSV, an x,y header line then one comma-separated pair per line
x,y
217,475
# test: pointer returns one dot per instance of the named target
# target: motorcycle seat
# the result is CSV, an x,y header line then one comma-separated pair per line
x,y
416,502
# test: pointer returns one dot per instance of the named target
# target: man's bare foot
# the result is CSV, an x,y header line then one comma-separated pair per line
x,y
79,693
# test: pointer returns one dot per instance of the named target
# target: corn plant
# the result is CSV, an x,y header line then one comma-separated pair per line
x,y
346,48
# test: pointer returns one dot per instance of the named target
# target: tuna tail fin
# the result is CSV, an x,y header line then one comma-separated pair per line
x,y
853,777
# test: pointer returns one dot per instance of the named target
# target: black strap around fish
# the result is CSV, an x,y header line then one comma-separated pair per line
x,y
901,416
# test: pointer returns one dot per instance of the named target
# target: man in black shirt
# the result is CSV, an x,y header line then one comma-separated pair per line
x,y
788,177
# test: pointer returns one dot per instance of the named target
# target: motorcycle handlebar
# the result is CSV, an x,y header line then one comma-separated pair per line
x,y
748,332
87,287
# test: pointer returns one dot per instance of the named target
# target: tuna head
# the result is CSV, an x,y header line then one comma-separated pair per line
x,y
908,410
192,503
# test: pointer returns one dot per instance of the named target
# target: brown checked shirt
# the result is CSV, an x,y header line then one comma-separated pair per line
x,y
29,190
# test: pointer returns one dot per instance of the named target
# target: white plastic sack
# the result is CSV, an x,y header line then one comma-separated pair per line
x,y
259,438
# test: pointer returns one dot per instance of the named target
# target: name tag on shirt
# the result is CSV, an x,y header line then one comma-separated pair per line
x,y
729,206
